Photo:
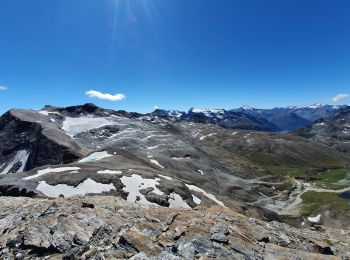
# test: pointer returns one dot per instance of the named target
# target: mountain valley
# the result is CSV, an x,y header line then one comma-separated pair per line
x,y
202,161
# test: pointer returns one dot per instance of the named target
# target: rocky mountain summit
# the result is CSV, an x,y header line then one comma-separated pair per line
x,y
111,228
81,170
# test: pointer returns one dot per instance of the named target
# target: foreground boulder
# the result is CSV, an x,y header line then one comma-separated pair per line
x,y
111,228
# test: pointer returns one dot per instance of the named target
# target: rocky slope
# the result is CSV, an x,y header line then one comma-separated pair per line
x,y
333,131
111,228
155,160
165,161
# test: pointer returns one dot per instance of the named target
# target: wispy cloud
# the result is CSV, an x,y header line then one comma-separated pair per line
x,y
105,96
340,97
3,88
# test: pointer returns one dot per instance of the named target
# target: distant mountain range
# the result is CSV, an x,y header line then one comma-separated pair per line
x,y
249,118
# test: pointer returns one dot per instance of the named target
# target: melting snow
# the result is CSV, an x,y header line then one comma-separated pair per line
x,y
109,172
21,156
205,136
165,177
201,172
156,163
316,219
46,113
134,183
86,187
208,195
50,170
196,200
176,201
76,125
95,157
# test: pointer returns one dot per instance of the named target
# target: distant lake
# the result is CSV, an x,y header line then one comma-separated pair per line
x,y
344,195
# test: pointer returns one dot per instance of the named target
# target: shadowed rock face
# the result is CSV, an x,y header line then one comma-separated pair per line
x,y
111,228
23,130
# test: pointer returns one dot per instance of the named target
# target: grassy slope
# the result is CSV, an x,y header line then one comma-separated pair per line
x,y
284,156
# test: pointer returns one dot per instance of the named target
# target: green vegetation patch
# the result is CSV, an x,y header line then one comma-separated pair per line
x,y
317,201
334,179
296,165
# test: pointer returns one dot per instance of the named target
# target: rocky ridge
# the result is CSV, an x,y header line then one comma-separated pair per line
x,y
111,228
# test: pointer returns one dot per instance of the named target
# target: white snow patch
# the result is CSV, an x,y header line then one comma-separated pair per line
x,y
247,107
205,136
174,113
109,172
152,147
201,172
196,200
208,112
156,163
176,201
208,195
76,125
86,187
21,156
95,157
43,112
134,183
165,177
46,113
52,170
316,219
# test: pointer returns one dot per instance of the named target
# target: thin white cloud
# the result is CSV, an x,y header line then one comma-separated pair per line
x,y
3,88
105,96
156,107
340,97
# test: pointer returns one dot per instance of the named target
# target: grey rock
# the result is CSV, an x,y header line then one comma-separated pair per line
x,y
220,228
219,237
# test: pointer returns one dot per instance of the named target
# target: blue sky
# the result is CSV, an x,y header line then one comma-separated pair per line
x,y
173,53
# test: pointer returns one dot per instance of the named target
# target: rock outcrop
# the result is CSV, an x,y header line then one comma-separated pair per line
x,y
111,228
27,141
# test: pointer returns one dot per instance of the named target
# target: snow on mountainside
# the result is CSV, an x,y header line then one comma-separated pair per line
x,y
248,117
333,131
158,159
221,117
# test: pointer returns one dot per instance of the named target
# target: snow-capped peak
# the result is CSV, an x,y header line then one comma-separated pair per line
x,y
209,112
316,105
214,111
247,107
175,113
